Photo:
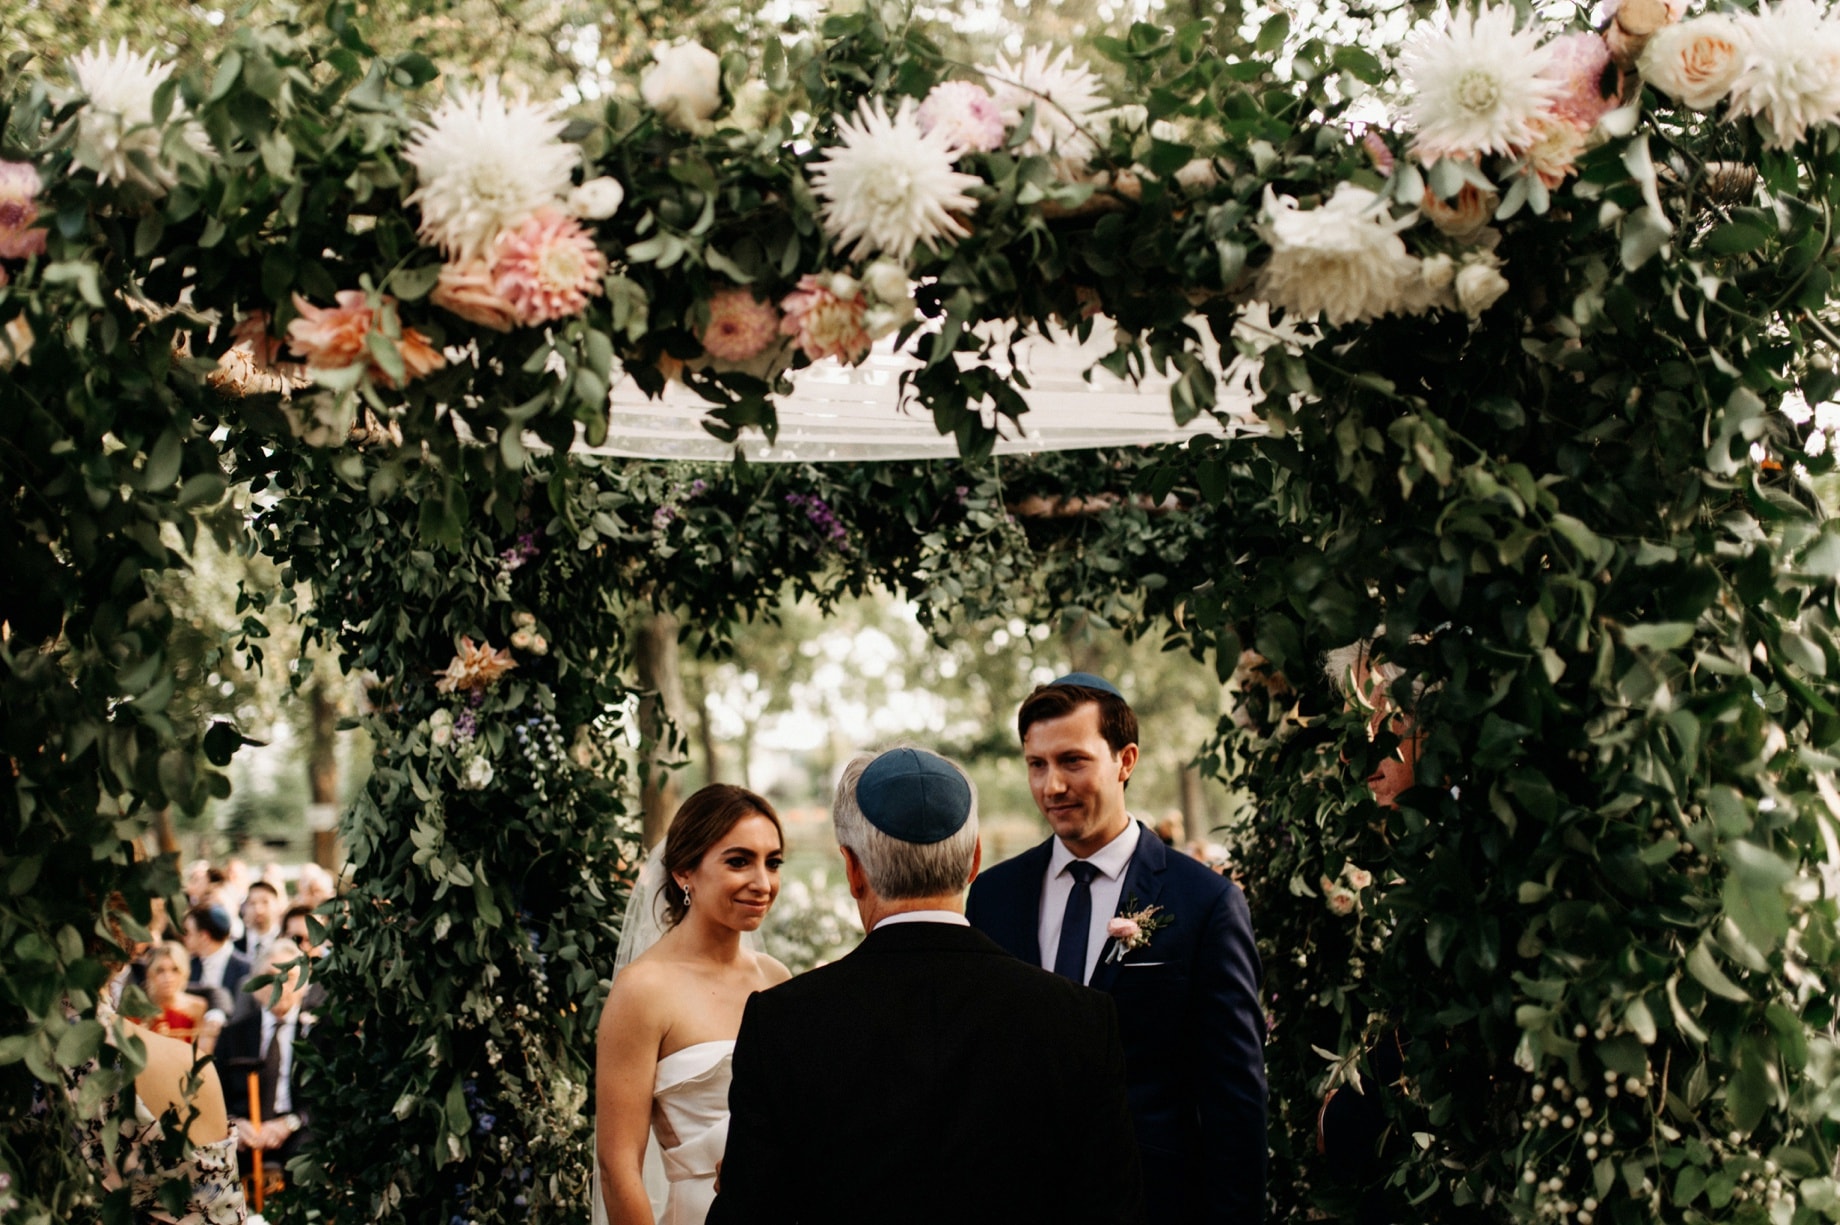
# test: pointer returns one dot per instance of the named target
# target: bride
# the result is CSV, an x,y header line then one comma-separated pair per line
x,y
670,1022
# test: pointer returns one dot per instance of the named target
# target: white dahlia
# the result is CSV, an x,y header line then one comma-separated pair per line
x,y
1066,97
116,134
1477,85
887,186
485,165
1791,76
1343,260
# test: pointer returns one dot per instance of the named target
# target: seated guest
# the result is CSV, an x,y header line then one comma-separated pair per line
x,y
181,1014
297,925
216,967
262,1038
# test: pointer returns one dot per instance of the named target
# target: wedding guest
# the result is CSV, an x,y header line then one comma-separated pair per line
x,y
262,911
181,1014
232,892
215,965
314,887
1104,902
262,1037
297,925
927,1076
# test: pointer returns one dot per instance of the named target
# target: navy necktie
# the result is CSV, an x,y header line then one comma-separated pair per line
x,y
1076,923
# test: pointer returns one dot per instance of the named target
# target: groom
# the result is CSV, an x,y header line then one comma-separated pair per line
x,y
928,1076
1186,987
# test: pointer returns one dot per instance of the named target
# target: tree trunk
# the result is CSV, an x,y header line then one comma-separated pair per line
x,y
661,718
323,767
1196,819
705,732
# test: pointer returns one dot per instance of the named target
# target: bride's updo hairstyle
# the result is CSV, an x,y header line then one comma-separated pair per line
x,y
702,821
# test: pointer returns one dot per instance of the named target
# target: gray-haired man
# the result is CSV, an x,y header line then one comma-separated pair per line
x,y
928,1076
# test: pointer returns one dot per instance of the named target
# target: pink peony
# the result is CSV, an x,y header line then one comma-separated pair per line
x,y
740,326
19,188
332,338
824,321
966,114
547,268
1578,64
1123,929
470,291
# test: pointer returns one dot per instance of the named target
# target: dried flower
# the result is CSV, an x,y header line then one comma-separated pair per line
x,y
485,165
887,187
547,267
824,322
19,188
965,115
740,326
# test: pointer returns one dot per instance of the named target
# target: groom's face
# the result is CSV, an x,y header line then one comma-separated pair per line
x,y
1077,780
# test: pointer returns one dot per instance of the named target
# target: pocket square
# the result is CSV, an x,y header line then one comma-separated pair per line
x,y
1138,965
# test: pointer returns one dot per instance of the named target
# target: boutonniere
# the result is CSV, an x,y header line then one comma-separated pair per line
x,y
1133,928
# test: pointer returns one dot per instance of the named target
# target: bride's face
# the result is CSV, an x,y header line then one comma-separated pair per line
x,y
738,877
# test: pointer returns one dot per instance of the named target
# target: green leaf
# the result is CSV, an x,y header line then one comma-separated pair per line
x,y
1662,636
163,462
1704,969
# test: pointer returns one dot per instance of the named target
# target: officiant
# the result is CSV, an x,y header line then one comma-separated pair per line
x,y
927,1076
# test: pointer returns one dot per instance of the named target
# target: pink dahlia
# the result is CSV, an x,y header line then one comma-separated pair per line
x,y
1554,151
1578,64
547,267
966,114
740,326
333,338
470,291
19,188
824,315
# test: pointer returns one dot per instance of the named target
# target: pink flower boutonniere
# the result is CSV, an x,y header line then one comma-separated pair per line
x,y
1133,928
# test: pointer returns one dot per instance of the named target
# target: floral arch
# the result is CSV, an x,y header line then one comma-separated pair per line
x,y
1544,427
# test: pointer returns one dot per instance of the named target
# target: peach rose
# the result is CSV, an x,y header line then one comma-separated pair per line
x,y
469,291
1696,62
332,338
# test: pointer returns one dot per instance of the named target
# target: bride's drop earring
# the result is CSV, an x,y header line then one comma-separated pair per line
x,y
686,897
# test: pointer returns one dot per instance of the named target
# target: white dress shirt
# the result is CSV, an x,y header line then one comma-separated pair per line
x,y
925,916
1112,860
282,1030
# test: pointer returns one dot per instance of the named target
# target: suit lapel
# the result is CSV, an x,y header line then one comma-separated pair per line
x,y
1143,884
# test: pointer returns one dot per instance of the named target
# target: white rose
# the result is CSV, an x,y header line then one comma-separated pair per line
x,y
440,729
684,84
845,286
887,282
1438,271
520,640
1198,174
1479,284
1696,62
597,199
477,774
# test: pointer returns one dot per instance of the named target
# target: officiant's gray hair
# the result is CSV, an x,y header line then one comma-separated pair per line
x,y
898,869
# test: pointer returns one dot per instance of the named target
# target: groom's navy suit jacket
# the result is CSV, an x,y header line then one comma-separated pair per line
x,y
1194,1031
927,1078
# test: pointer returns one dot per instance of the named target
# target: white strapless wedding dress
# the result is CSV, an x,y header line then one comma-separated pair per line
x,y
689,1131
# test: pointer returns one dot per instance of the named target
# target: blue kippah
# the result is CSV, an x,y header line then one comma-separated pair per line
x,y
914,796
1087,680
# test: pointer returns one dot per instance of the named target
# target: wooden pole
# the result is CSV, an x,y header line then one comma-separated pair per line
x,y
255,1121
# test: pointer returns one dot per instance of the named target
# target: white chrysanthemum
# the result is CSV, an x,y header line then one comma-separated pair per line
x,y
887,186
1343,260
1477,85
1791,75
116,135
1066,97
485,165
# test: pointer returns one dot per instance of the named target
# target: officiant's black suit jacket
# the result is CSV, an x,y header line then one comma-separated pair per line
x,y
930,1077
1194,1030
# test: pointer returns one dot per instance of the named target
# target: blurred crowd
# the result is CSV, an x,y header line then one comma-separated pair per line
x,y
227,977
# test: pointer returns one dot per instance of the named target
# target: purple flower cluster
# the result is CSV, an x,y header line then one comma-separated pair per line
x,y
524,550
830,528
663,517
466,726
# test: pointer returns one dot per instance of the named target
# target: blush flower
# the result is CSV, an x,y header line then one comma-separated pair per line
x,y
1791,76
547,268
19,188
824,317
1341,901
474,667
965,114
1476,85
1696,62
1123,929
1553,152
470,291
1579,61
888,187
740,326
484,165
337,337
1343,260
